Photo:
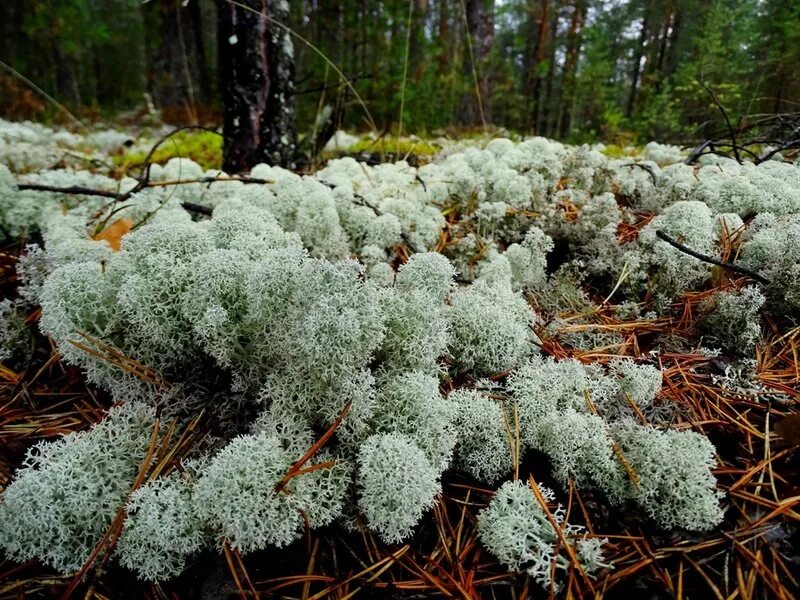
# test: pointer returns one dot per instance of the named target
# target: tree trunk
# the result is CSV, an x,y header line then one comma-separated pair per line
x,y
256,65
479,36
445,43
66,78
546,115
671,57
178,73
662,48
638,54
574,42
200,62
486,33
165,80
534,55
7,23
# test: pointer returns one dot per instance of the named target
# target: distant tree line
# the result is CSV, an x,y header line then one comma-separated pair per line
x,y
577,70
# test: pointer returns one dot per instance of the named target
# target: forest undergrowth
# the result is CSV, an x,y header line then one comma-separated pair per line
x,y
523,369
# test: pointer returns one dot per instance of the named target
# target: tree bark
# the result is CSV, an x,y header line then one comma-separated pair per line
x,y
256,65
536,41
546,115
195,22
671,57
445,43
574,43
178,69
480,31
638,54
6,32
67,85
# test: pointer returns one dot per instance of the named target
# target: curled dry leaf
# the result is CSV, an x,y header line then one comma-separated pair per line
x,y
114,232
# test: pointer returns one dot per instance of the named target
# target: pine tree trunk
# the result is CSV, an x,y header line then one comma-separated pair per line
x,y
637,67
6,32
479,40
535,43
486,33
178,69
67,85
546,115
256,65
671,57
574,42
200,62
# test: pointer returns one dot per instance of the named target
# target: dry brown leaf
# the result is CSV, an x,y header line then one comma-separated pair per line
x,y
114,232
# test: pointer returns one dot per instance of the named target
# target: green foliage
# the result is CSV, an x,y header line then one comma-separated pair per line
x,y
395,146
203,147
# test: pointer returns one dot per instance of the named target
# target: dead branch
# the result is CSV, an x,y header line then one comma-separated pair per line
x,y
711,260
644,167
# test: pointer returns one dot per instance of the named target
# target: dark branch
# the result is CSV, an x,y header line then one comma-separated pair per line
x,y
779,131
711,260
144,182
783,146
647,168
197,208
727,120
74,189
699,151
122,196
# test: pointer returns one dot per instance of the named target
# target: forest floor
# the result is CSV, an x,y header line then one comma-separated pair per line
x,y
754,554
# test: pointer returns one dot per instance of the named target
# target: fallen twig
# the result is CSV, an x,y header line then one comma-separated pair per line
x,y
647,168
711,260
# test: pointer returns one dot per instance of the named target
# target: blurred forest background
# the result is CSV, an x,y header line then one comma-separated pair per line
x,y
577,70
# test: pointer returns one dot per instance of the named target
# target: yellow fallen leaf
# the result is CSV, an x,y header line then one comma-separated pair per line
x,y
114,232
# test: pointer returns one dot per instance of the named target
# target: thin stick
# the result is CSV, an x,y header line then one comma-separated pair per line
x,y
73,189
644,167
42,93
727,120
725,265
297,468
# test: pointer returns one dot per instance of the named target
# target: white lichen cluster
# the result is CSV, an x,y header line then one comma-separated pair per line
x,y
583,419
67,492
518,531
772,247
397,484
14,336
26,146
734,322
311,297
306,338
